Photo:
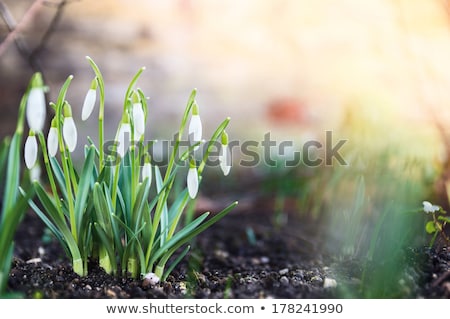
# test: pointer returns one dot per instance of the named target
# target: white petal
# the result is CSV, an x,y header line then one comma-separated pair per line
x,y
195,129
225,159
36,109
138,120
89,103
70,133
429,208
192,182
147,172
30,150
123,132
52,141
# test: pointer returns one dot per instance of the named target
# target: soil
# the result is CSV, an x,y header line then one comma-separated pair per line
x,y
242,256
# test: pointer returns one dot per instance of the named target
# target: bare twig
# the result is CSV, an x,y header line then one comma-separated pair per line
x,y
51,27
14,30
28,16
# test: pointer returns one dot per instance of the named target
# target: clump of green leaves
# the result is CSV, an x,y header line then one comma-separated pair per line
x,y
14,204
110,210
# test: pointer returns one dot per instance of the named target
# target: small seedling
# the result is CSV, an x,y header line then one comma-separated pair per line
x,y
438,222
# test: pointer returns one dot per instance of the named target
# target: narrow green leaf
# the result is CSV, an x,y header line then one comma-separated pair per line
x,y
174,263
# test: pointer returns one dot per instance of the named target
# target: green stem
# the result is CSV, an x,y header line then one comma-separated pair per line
x,y
101,112
49,171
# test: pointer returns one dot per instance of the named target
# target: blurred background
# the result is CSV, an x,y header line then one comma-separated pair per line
x,y
291,67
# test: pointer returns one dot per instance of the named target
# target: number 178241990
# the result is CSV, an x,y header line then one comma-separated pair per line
x,y
307,308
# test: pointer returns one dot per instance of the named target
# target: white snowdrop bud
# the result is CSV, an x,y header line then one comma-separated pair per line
x,y
89,100
138,117
30,150
225,155
124,130
147,169
35,112
195,126
52,139
70,133
192,180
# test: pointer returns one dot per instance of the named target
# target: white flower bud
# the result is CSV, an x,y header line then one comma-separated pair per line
x,y
36,109
195,126
225,159
147,171
30,151
138,120
124,130
70,133
192,182
89,103
52,141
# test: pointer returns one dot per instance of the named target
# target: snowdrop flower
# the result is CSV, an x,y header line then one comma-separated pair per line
x,y
52,139
138,117
429,208
125,129
89,100
225,155
36,105
192,180
147,169
30,150
69,129
195,126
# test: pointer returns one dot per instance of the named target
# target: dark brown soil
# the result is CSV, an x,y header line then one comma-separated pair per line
x,y
242,256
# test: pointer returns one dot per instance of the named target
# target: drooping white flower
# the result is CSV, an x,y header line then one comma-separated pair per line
x,y
192,180
30,150
195,126
52,141
124,131
225,155
89,100
36,109
70,133
147,169
429,208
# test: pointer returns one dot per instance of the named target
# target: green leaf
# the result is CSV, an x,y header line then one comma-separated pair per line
x,y
430,227
84,187
106,242
174,263
164,213
12,175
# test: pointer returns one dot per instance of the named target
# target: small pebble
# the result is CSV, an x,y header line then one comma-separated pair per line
x,y
284,281
34,261
283,272
329,283
150,279
264,260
